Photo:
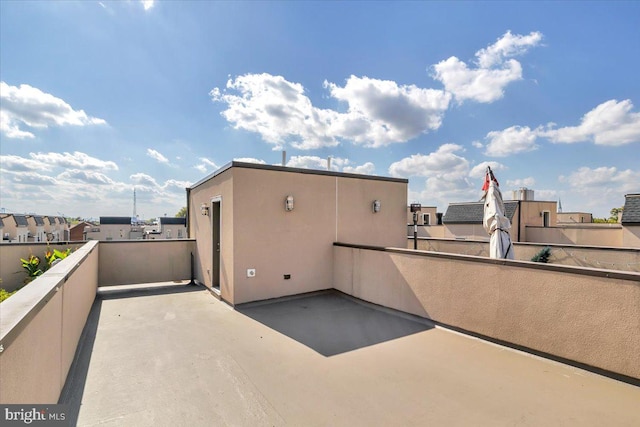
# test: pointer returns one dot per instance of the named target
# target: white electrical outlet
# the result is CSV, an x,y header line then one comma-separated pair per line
x,y
251,272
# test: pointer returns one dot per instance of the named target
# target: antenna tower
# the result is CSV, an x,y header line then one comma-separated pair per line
x,y
135,207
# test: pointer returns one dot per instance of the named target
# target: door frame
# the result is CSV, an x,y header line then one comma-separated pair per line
x,y
216,240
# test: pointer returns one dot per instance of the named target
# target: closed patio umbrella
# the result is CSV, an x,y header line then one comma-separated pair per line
x,y
494,221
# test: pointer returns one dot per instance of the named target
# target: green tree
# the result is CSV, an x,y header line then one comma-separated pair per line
x,y
615,213
182,213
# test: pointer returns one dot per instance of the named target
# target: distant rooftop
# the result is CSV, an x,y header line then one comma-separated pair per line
x,y
473,212
21,220
166,220
631,212
39,220
115,220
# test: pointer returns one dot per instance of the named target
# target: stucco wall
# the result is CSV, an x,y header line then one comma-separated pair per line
x,y
631,236
578,235
200,227
299,243
258,233
591,319
40,327
611,258
144,261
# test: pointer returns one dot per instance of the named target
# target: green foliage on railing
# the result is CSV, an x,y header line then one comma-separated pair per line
x,y
32,267
4,294
35,267
543,255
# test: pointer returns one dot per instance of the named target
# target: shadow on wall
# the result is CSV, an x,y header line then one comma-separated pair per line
x,y
331,323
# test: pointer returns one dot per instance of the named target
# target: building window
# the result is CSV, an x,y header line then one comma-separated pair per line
x,y
546,219
179,234
426,219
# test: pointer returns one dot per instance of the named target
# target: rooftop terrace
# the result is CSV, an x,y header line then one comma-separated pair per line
x,y
174,355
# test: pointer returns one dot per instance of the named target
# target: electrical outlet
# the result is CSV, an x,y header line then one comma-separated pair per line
x,y
251,272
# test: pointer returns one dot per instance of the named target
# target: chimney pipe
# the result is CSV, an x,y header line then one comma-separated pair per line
x,y
329,163
284,157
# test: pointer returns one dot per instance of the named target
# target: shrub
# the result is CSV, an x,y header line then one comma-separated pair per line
x,y
32,267
4,294
543,255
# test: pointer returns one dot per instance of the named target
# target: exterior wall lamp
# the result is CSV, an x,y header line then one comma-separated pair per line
x,y
376,206
288,204
204,209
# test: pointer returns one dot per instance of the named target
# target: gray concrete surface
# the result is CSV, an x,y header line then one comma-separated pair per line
x,y
176,356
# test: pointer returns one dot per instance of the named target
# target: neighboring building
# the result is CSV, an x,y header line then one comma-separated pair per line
x,y
631,221
16,228
173,227
77,232
464,220
427,216
111,228
36,228
57,228
574,218
286,247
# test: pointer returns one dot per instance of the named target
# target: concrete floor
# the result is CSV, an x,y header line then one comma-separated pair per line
x,y
176,356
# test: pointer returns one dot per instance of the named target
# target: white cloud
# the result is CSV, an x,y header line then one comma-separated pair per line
x,y
20,164
601,186
507,46
365,169
144,180
546,195
147,4
444,163
380,112
338,164
524,182
176,186
477,144
76,160
249,160
495,71
479,170
315,162
276,109
515,139
206,163
89,177
156,155
586,179
29,106
610,123
30,178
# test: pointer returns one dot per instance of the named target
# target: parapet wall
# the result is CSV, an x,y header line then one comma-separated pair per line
x,y
600,257
40,327
584,315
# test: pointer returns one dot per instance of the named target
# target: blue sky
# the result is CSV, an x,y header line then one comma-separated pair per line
x,y
99,98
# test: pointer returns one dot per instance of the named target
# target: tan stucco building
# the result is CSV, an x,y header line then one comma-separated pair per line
x,y
285,247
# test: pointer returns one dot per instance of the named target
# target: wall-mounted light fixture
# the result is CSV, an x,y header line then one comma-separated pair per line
x,y
288,204
376,206
204,209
